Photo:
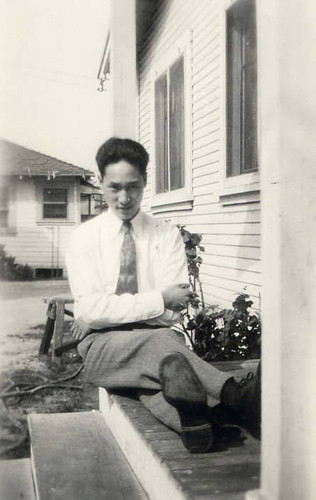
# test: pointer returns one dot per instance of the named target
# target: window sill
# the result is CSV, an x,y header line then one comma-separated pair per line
x,y
240,189
172,201
7,231
55,222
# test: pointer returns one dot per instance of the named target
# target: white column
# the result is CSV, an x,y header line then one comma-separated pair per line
x,y
123,67
287,97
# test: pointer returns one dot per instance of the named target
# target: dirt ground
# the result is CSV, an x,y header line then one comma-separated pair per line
x,y
22,321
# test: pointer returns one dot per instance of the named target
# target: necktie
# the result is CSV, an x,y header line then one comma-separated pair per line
x,y
127,280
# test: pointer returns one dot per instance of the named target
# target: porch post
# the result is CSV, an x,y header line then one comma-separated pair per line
x,y
123,67
287,82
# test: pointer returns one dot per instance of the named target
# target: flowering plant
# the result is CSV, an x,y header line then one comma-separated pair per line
x,y
213,333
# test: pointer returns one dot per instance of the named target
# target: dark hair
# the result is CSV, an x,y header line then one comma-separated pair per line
x,y
116,149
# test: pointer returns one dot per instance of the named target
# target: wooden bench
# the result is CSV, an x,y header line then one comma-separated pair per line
x,y
54,328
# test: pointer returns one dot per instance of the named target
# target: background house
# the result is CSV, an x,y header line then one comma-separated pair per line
x,y
42,199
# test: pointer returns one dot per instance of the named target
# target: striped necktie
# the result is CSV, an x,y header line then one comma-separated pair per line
x,y
127,280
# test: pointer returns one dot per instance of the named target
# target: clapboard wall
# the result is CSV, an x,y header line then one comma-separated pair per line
x,y
231,231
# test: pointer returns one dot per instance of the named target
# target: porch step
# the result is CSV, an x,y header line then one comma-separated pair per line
x,y
162,464
75,457
16,480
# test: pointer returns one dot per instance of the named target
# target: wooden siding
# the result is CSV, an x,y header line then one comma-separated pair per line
x,y
37,242
231,232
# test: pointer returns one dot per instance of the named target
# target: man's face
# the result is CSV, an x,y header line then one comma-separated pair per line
x,y
123,187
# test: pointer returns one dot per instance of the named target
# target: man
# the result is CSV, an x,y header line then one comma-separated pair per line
x,y
128,276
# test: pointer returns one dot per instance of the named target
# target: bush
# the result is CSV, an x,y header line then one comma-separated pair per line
x,y
218,334
11,271
226,334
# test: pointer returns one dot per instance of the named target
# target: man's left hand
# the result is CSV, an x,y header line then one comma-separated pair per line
x,y
79,329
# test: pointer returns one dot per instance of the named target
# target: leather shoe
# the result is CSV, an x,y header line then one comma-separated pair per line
x,y
245,398
182,389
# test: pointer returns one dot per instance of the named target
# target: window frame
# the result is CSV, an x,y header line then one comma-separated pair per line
x,y
244,183
88,216
4,208
55,188
181,198
9,184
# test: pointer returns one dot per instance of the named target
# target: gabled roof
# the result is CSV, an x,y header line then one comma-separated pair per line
x,y
17,160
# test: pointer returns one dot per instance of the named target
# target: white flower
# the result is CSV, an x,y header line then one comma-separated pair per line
x,y
219,323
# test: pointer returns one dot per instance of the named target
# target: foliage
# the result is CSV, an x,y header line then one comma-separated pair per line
x,y
193,248
218,334
225,334
11,271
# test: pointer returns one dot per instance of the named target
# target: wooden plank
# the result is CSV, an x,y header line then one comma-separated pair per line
x,y
225,473
149,467
58,329
47,336
49,329
16,480
222,479
79,459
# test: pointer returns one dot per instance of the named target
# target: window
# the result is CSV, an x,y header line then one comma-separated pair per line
x,y
169,128
4,206
91,205
55,203
241,88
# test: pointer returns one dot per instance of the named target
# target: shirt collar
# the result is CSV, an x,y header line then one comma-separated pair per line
x,y
115,223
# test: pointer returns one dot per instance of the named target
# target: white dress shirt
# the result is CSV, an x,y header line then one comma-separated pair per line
x,y
93,263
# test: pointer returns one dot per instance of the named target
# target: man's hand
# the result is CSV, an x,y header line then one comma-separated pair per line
x,y
177,297
79,329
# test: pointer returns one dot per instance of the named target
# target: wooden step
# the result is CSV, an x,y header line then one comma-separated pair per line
x,y
163,465
76,457
16,480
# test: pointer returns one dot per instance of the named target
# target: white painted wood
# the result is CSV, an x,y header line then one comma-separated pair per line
x,y
153,475
288,52
242,276
123,67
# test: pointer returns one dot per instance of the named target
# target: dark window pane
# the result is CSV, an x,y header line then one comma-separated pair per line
x,y
249,163
91,204
55,195
54,211
4,196
161,134
96,204
176,124
3,218
85,204
234,102
241,69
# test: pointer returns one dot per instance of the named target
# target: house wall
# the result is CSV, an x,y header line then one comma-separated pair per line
x,y
230,224
32,240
